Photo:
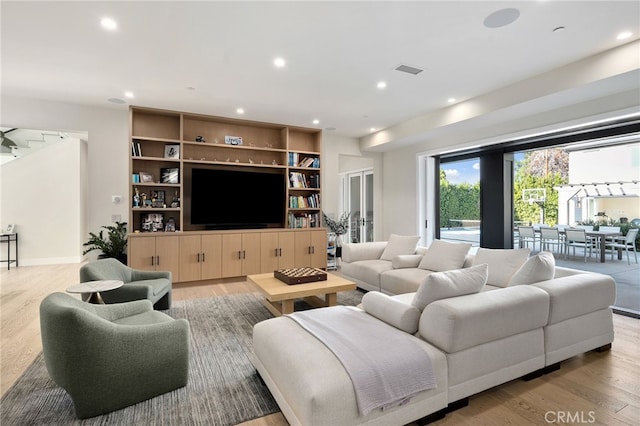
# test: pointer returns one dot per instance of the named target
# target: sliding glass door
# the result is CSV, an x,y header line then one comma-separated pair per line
x,y
359,195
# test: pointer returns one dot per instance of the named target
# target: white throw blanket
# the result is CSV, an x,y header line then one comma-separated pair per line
x,y
386,365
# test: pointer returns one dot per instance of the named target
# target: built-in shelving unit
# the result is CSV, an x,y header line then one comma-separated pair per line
x,y
167,144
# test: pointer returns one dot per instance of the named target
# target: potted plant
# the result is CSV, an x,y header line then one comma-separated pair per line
x,y
114,244
338,227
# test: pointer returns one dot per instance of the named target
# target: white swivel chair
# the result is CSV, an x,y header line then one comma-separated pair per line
x,y
625,243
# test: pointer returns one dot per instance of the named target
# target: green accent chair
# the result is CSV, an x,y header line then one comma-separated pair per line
x,y
108,357
152,285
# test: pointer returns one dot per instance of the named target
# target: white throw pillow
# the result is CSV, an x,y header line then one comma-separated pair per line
x,y
443,285
444,256
399,244
392,311
540,267
503,263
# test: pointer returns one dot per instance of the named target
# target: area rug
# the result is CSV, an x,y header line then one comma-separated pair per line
x,y
223,387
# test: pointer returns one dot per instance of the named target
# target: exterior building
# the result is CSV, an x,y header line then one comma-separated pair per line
x,y
604,185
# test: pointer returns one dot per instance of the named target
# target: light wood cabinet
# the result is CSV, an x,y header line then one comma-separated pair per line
x,y
155,253
200,257
277,250
240,254
311,249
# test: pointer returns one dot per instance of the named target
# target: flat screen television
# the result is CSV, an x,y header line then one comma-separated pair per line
x,y
237,199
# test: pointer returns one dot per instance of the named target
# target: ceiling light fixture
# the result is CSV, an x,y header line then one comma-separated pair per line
x,y
316,121
381,85
624,35
240,111
279,62
109,24
373,129
128,94
451,100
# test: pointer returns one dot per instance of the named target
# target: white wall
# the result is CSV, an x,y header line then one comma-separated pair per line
x,y
107,167
42,195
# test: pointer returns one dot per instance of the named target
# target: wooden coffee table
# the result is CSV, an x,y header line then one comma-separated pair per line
x,y
279,297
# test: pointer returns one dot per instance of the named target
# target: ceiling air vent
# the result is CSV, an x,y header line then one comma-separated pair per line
x,y
408,69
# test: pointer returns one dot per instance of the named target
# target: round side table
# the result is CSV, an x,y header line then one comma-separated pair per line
x,y
94,288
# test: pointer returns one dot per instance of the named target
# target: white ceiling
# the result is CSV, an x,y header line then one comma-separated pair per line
x,y
336,52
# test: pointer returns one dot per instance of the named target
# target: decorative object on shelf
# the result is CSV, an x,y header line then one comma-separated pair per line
x,y
216,140
200,139
146,177
338,227
114,244
135,178
158,200
170,226
175,203
136,198
11,228
233,140
172,151
170,175
152,222
250,161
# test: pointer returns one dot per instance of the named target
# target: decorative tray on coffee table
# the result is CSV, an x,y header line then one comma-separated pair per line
x,y
300,275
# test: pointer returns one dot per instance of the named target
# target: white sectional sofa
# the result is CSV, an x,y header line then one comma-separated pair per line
x,y
504,316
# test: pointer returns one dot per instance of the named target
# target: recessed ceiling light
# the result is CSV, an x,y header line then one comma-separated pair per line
x,y
279,62
373,129
316,121
128,95
109,24
381,85
624,35
240,111
451,100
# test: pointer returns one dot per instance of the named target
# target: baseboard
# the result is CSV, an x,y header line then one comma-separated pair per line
x,y
49,261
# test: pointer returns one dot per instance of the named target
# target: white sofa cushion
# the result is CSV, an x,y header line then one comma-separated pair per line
x,y
503,263
459,323
362,251
400,244
540,267
406,261
392,311
444,256
443,285
366,270
404,280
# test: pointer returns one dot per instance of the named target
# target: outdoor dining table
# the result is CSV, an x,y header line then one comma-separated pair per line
x,y
601,236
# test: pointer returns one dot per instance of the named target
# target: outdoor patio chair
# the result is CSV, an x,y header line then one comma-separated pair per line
x,y
526,235
577,238
625,243
550,237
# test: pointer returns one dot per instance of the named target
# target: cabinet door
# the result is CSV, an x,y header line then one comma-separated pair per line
x,y
251,254
211,265
190,258
168,255
287,247
318,248
142,252
269,253
232,255
302,254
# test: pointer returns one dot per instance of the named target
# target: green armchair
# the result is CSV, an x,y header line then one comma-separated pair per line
x,y
108,357
152,285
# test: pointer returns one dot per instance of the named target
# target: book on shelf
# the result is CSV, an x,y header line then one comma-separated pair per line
x,y
135,149
301,202
296,161
304,220
302,180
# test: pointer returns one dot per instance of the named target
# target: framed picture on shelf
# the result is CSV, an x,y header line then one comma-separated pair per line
x,y
157,198
172,151
170,175
153,222
146,177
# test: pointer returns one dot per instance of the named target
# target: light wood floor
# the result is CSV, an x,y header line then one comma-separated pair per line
x,y
594,388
